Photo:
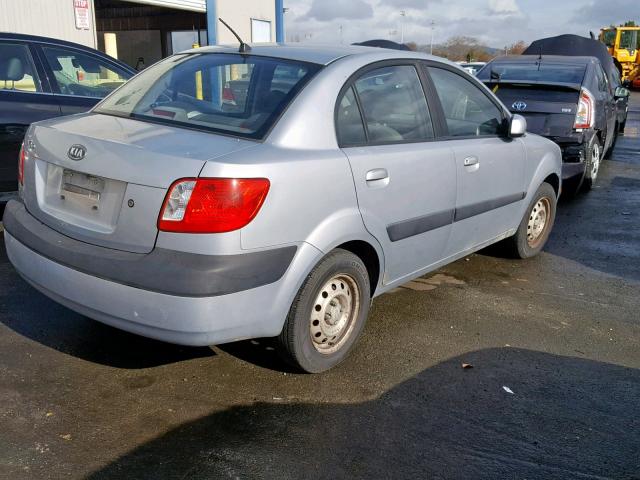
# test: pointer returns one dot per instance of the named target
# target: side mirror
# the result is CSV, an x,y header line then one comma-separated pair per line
x,y
517,126
621,92
626,84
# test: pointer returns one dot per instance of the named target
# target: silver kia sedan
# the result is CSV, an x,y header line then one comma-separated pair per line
x,y
220,195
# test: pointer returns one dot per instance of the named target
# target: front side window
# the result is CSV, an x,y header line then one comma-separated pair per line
x,y
629,39
467,110
233,94
17,71
394,105
83,75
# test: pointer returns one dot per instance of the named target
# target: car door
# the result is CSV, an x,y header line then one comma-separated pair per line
x,y
405,178
24,98
80,79
489,165
607,103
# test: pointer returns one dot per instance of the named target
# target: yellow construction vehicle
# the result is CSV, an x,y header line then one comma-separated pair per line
x,y
623,44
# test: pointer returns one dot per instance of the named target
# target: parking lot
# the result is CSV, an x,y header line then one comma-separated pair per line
x,y
551,387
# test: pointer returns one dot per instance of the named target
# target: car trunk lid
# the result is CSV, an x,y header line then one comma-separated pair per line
x,y
550,109
102,179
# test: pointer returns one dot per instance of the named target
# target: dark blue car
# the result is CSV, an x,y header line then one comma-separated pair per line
x,y
42,78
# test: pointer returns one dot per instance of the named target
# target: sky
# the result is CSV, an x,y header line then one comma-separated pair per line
x,y
495,23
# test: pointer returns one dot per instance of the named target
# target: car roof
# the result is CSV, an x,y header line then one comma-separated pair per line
x,y
55,41
312,53
557,59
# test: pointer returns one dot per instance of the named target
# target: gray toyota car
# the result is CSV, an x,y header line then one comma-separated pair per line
x,y
178,211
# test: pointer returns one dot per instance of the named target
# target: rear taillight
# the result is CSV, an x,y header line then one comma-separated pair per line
x,y
212,205
21,159
585,116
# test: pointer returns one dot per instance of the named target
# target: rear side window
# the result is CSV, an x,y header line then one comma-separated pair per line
x,y
349,125
394,105
240,95
83,75
467,110
17,71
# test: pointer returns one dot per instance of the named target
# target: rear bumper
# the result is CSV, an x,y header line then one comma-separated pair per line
x,y
573,160
186,320
162,271
572,170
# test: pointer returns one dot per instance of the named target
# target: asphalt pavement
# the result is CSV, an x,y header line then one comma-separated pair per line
x,y
551,389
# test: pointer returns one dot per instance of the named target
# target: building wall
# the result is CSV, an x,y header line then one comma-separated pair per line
x,y
238,15
49,18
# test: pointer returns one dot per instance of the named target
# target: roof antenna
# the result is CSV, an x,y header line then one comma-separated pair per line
x,y
244,47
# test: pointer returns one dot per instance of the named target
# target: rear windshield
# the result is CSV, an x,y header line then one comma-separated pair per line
x,y
239,95
532,72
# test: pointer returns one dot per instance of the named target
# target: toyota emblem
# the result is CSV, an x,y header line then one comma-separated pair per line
x,y
519,106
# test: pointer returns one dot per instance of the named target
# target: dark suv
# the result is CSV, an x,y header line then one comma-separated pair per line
x,y
569,100
41,78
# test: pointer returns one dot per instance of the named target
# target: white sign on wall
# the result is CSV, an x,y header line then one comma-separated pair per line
x,y
260,31
83,18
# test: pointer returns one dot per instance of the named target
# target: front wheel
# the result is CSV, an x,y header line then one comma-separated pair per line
x,y
328,314
535,227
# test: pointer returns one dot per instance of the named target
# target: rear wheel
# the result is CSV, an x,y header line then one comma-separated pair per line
x,y
592,164
535,227
328,314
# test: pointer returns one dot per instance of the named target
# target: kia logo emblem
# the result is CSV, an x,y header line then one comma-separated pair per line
x,y
77,152
519,106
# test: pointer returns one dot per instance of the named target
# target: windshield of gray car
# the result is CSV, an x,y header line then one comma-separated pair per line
x,y
240,95
533,72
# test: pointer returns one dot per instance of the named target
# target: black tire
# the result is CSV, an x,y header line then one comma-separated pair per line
x,y
623,125
591,171
519,245
609,153
297,346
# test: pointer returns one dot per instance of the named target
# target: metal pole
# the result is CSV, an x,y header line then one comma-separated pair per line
x,y
212,22
432,29
212,39
402,14
279,21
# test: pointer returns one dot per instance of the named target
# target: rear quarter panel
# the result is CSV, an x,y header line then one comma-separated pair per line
x,y
311,198
544,158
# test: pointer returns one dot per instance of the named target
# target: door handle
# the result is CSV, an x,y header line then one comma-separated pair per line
x,y
377,174
377,178
470,161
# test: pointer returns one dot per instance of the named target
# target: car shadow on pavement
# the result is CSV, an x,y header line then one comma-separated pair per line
x,y
515,414
260,352
33,315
